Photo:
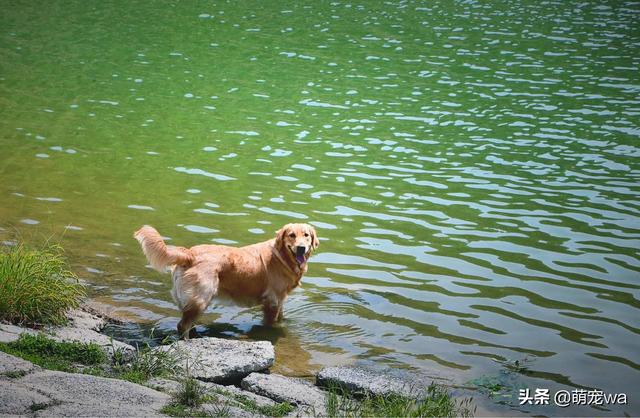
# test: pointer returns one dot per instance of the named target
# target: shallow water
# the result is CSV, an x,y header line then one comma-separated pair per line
x,y
471,168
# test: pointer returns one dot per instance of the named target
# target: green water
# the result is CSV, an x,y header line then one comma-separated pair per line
x,y
471,168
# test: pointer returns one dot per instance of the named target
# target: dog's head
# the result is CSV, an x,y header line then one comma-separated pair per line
x,y
297,240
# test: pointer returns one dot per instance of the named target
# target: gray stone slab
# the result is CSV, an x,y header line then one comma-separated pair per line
x,y
219,360
98,410
84,335
11,365
286,389
10,333
105,311
81,319
16,399
93,390
234,392
362,381
164,385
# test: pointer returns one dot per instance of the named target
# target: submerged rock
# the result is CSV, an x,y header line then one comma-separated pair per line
x,y
108,313
287,389
221,361
362,381
79,318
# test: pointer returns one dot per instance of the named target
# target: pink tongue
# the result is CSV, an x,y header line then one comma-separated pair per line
x,y
300,258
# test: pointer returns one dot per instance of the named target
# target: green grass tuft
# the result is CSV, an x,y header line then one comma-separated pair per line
x,y
34,407
132,376
186,401
145,364
16,374
177,410
191,393
278,410
36,286
50,354
436,402
220,411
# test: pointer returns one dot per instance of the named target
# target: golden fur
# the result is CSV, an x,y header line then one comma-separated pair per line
x,y
263,273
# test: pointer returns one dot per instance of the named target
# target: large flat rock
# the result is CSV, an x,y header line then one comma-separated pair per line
x,y
48,393
287,389
222,361
98,410
16,399
362,381
93,390
15,366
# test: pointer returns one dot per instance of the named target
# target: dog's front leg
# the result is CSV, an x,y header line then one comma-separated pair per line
x,y
281,308
271,309
279,316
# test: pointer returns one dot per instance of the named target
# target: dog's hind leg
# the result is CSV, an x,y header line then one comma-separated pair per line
x,y
194,290
189,315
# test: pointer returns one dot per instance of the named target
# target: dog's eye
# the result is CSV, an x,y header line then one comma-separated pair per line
x,y
292,235
306,234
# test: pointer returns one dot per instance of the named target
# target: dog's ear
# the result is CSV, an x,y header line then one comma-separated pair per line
x,y
280,234
315,242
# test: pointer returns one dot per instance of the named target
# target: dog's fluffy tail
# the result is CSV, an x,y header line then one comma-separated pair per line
x,y
159,254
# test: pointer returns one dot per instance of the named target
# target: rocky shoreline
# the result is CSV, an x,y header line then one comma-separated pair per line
x,y
237,372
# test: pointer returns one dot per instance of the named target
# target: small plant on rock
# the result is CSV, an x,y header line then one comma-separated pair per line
x,y
146,363
435,402
191,393
187,400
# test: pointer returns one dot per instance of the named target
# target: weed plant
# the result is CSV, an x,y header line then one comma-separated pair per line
x,y
36,286
145,363
436,402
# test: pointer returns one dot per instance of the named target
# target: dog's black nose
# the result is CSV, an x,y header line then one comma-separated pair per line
x,y
300,250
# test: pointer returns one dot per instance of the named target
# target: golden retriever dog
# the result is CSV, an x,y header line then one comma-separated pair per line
x,y
258,274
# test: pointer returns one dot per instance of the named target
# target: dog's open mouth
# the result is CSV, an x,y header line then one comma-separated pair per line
x,y
299,254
